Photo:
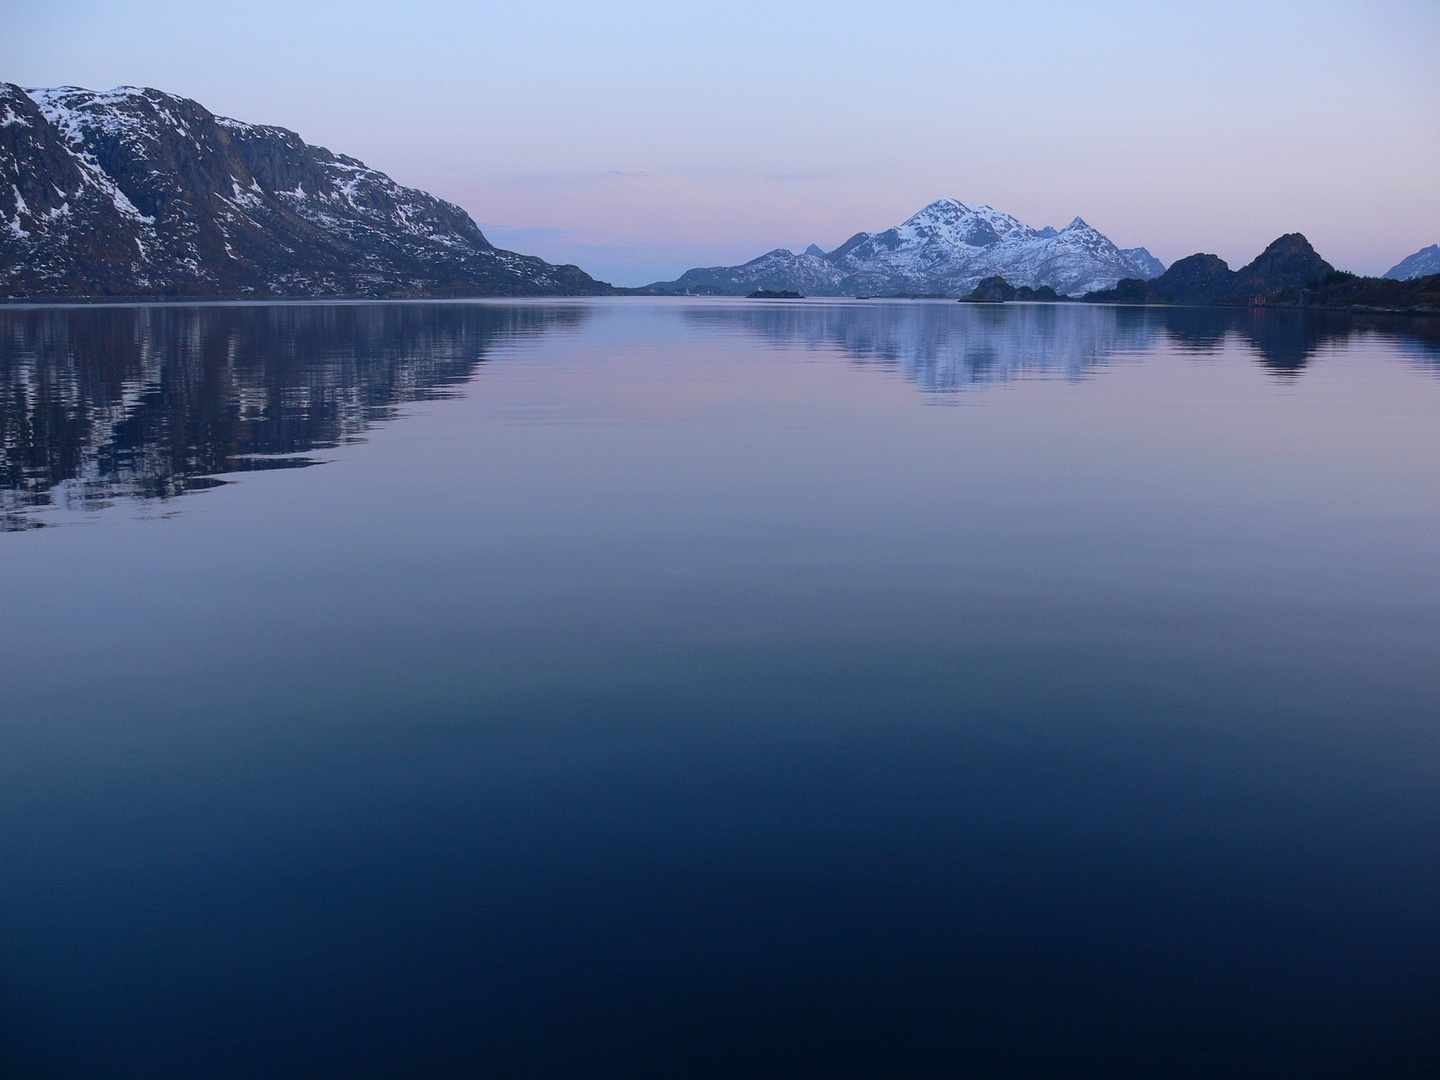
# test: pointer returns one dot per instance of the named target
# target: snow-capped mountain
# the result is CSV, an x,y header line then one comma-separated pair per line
x,y
948,247
135,192
1423,263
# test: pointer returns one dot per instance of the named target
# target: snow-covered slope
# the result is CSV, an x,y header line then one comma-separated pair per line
x,y
811,274
1423,263
1148,263
948,247
138,192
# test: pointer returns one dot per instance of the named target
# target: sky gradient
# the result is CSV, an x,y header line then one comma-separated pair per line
x,y
640,139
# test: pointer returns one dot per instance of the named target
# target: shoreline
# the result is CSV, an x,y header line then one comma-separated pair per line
x,y
250,301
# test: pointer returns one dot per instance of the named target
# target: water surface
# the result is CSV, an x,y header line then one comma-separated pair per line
x,y
718,688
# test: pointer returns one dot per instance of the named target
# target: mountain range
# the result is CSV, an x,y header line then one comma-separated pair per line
x,y
135,192
947,248
139,193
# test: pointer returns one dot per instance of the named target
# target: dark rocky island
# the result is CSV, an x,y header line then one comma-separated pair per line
x,y
139,193
996,290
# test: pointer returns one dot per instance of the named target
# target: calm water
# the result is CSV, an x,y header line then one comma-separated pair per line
x,y
640,689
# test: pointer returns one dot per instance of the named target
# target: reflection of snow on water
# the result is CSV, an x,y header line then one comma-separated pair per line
x,y
949,346
945,346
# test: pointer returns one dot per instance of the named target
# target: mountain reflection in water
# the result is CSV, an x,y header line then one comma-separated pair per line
x,y
947,346
691,696
100,404
109,403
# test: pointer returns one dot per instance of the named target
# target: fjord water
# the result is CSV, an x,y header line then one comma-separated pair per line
x,y
718,688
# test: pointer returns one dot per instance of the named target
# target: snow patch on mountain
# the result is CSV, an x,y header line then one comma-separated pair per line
x,y
1423,263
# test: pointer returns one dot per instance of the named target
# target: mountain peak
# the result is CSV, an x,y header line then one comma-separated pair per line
x,y
944,205
1289,262
1202,276
814,249
945,210
1290,244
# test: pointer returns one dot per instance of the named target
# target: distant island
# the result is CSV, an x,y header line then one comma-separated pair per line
x,y
996,290
774,294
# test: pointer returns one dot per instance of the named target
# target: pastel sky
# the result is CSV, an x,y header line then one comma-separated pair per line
x,y
638,139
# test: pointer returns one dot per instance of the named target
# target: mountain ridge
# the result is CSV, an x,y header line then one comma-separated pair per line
x,y
135,192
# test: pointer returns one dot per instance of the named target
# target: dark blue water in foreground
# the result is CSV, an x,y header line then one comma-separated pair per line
x,y
667,689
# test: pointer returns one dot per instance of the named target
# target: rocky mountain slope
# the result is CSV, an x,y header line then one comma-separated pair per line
x,y
1282,270
1288,273
948,248
135,192
1423,263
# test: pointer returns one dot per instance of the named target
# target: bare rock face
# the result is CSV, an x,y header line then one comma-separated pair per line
x,y
1288,264
135,192
1196,279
